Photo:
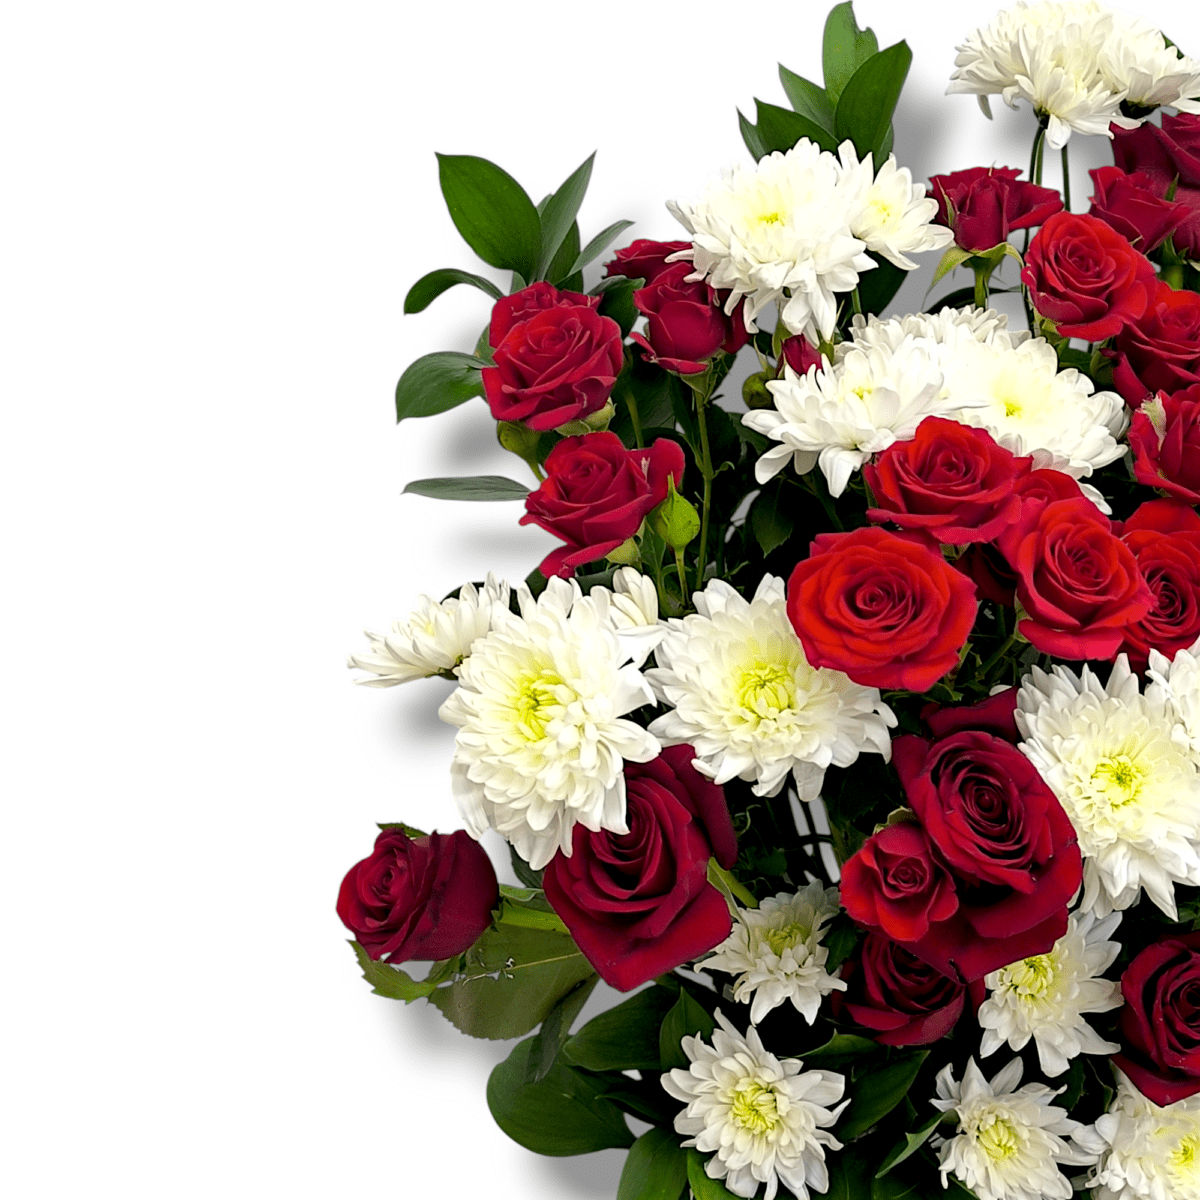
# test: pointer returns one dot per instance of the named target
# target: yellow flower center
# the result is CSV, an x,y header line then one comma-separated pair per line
x,y
1118,780
534,704
753,1107
770,218
1185,1156
766,689
999,1139
785,937
1031,976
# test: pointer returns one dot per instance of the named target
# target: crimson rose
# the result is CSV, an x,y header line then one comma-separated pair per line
x,y
800,355
536,298
983,205
1170,156
1132,206
1164,436
424,897
639,904
885,608
687,324
644,259
596,495
1161,350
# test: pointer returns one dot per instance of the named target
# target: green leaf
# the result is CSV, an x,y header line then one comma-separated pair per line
x,y
555,1030
655,1168
624,1038
493,213
686,1018
876,288
704,1188
770,520
849,1176
411,830
895,1187
598,244
523,871
751,136
845,48
560,212
864,112
469,487
780,129
617,303
807,98
559,272
841,1050
533,912
558,1115
876,1094
955,256
912,1142
436,383
389,981
429,287
840,939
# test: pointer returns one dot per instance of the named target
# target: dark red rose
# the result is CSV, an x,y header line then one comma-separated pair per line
x,y
896,883
596,495
416,898
639,904
800,355
536,298
644,259
1160,1023
885,608
1164,436
1005,839
994,715
1134,208
900,996
988,569
1161,350
687,324
1078,582
953,482
1170,156
556,366
983,205
1084,276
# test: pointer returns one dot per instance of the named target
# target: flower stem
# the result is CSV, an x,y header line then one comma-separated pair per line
x,y
706,471
981,287
1004,649
1066,178
635,418
856,300
682,569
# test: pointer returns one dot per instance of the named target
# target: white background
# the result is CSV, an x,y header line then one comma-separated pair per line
x,y
211,216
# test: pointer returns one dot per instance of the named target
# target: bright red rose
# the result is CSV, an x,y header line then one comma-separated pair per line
x,y
639,904
1084,276
687,324
556,366
1160,1023
983,205
1164,436
596,495
1078,582
644,259
1133,207
536,298
950,481
1161,350
885,608
1170,156
417,898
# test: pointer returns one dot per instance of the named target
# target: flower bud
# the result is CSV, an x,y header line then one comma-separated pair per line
x,y
754,390
597,422
675,520
626,554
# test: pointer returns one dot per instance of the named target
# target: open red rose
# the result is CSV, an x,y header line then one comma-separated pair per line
x,y
1164,436
994,714
639,904
644,259
983,205
537,297
596,495
428,897
1084,276
1134,208
1169,155
1160,1023
1161,350
885,608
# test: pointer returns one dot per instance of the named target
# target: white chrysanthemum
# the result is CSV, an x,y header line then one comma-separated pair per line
x,y
1177,680
888,211
763,1120
434,639
1009,1143
776,952
631,607
775,229
1128,785
542,736
745,698
1137,61
945,329
1045,997
1151,1152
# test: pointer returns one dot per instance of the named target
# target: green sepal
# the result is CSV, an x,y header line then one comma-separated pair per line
x,y
436,383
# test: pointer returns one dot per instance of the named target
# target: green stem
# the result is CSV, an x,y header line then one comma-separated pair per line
x,y
1035,167
1004,649
856,301
981,287
682,569
635,417
724,881
1066,178
707,472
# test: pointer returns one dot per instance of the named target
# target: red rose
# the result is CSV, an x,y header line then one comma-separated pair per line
x,y
800,355
1078,582
556,366
596,495
644,259
896,884
1084,276
426,897
1161,350
536,298
983,205
994,715
1170,156
900,996
1166,450
1133,207
885,608
1160,1023
639,904
989,571
953,482
686,323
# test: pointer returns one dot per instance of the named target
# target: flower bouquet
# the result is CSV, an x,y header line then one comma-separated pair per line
x,y
852,727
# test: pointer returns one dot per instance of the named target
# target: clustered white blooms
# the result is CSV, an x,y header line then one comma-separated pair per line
x,y
1120,765
1075,63
1010,1141
777,953
1044,997
763,1120
1179,679
743,695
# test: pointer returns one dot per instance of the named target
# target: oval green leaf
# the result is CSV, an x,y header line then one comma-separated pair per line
x,y
429,287
845,48
436,383
780,129
704,1188
469,487
876,1094
864,112
806,98
655,1168
560,212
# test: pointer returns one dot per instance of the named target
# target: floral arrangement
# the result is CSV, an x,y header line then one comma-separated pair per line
x,y
853,730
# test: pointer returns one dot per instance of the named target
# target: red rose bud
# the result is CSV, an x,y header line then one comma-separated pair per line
x,y
983,205
800,356
596,495
885,608
950,481
536,298
1170,157
1084,276
1160,351
1133,207
428,897
639,904
1160,1023
1164,436
644,259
